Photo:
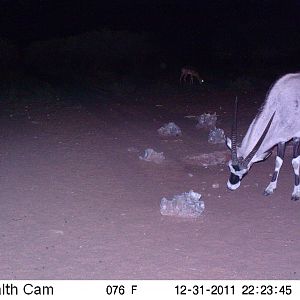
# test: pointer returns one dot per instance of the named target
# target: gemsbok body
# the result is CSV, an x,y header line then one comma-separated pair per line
x,y
277,122
191,73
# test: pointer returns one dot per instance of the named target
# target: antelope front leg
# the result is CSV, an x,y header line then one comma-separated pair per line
x,y
278,163
184,77
296,164
181,77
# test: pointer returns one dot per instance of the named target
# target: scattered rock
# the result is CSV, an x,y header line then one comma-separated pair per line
x,y
170,129
153,156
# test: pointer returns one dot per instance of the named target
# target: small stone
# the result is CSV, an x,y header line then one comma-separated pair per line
x,y
216,185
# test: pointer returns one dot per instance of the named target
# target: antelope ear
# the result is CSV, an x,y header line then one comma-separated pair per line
x,y
228,142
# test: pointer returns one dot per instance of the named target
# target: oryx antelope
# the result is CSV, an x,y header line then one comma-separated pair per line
x,y
277,122
191,73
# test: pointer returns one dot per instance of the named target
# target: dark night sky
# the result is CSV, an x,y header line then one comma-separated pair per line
x,y
32,19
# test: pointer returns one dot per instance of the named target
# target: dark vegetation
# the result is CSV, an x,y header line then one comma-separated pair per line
x,y
233,45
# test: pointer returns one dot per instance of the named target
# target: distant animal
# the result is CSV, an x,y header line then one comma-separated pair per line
x,y
191,73
276,123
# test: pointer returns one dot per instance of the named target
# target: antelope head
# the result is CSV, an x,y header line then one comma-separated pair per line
x,y
239,165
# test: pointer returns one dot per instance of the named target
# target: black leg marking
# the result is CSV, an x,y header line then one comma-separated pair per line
x,y
296,163
274,177
296,144
279,160
281,150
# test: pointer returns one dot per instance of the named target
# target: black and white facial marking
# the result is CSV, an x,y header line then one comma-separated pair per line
x,y
238,165
236,175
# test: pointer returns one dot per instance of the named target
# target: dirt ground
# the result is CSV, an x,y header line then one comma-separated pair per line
x,y
78,203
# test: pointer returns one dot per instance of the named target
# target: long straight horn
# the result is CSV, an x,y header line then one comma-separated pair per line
x,y
246,161
234,135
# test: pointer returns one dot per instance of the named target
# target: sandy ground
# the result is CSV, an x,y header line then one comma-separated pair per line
x,y
76,204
